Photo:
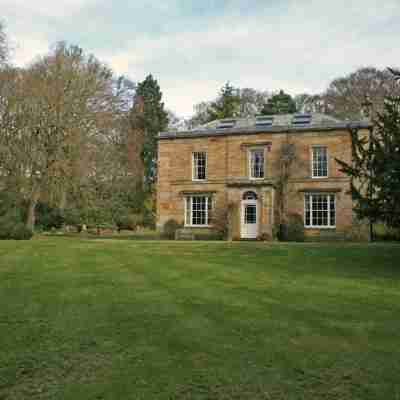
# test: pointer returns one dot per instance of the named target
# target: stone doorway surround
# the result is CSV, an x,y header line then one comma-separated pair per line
x,y
265,207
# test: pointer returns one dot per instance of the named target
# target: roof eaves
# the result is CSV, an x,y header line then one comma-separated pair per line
x,y
266,129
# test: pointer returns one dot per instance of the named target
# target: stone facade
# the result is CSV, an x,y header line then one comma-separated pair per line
x,y
228,176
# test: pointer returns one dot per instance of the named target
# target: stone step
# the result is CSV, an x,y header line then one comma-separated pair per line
x,y
184,234
327,236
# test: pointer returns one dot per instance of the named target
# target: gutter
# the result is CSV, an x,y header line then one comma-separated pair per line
x,y
255,130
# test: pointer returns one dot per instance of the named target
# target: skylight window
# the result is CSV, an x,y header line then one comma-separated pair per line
x,y
264,120
226,123
301,119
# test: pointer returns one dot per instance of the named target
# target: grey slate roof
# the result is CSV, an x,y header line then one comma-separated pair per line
x,y
279,123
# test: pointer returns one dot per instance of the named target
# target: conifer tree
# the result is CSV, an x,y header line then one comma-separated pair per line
x,y
227,104
280,103
151,119
375,167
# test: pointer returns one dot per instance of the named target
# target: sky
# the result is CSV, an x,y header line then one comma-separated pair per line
x,y
192,47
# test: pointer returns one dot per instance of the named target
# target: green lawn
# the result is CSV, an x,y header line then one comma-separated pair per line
x,y
123,319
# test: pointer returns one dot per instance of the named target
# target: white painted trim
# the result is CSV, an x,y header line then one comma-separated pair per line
x,y
320,227
193,168
312,161
190,225
249,151
244,203
185,210
329,210
198,226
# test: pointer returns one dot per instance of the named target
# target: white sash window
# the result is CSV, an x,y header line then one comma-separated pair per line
x,y
199,169
198,210
256,163
319,164
319,210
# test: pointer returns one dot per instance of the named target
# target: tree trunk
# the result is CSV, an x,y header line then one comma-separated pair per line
x,y
30,218
63,200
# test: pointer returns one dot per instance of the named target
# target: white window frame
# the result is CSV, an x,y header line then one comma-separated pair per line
x,y
312,162
250,155
190,224
194,167
311,225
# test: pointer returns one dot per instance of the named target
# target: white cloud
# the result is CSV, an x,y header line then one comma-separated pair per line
x,y
27,22
301,51
46,8
297,46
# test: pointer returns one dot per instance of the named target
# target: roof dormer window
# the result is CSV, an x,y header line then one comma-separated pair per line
x,y
264,120
301,119
226,123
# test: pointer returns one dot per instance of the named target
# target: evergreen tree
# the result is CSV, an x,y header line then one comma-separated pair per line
x,y
151,118
227,104
375,167
280,103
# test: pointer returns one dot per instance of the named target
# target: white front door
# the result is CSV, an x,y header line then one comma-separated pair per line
x,y
249,225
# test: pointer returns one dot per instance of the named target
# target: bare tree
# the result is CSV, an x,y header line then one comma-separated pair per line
x,y
201,114
176,123
252,101
52,116
310,103
345,96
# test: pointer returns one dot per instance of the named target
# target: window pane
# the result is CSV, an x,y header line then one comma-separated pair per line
x,y
209,210
257,163
199,210
320,210
250,214
319,161
199,165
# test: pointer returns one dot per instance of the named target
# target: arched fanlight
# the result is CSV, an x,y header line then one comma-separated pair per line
x,y
250,195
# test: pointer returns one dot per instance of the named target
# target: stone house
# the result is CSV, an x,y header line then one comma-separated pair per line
x,y
257,171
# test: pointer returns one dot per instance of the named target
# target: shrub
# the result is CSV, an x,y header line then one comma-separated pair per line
x,y
383,232
276,232
6,226
170,228
264,237
20,232
12,215
11,228
129,222
358,231
221,219
73,217
209,236
220,222
48,217
293,230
